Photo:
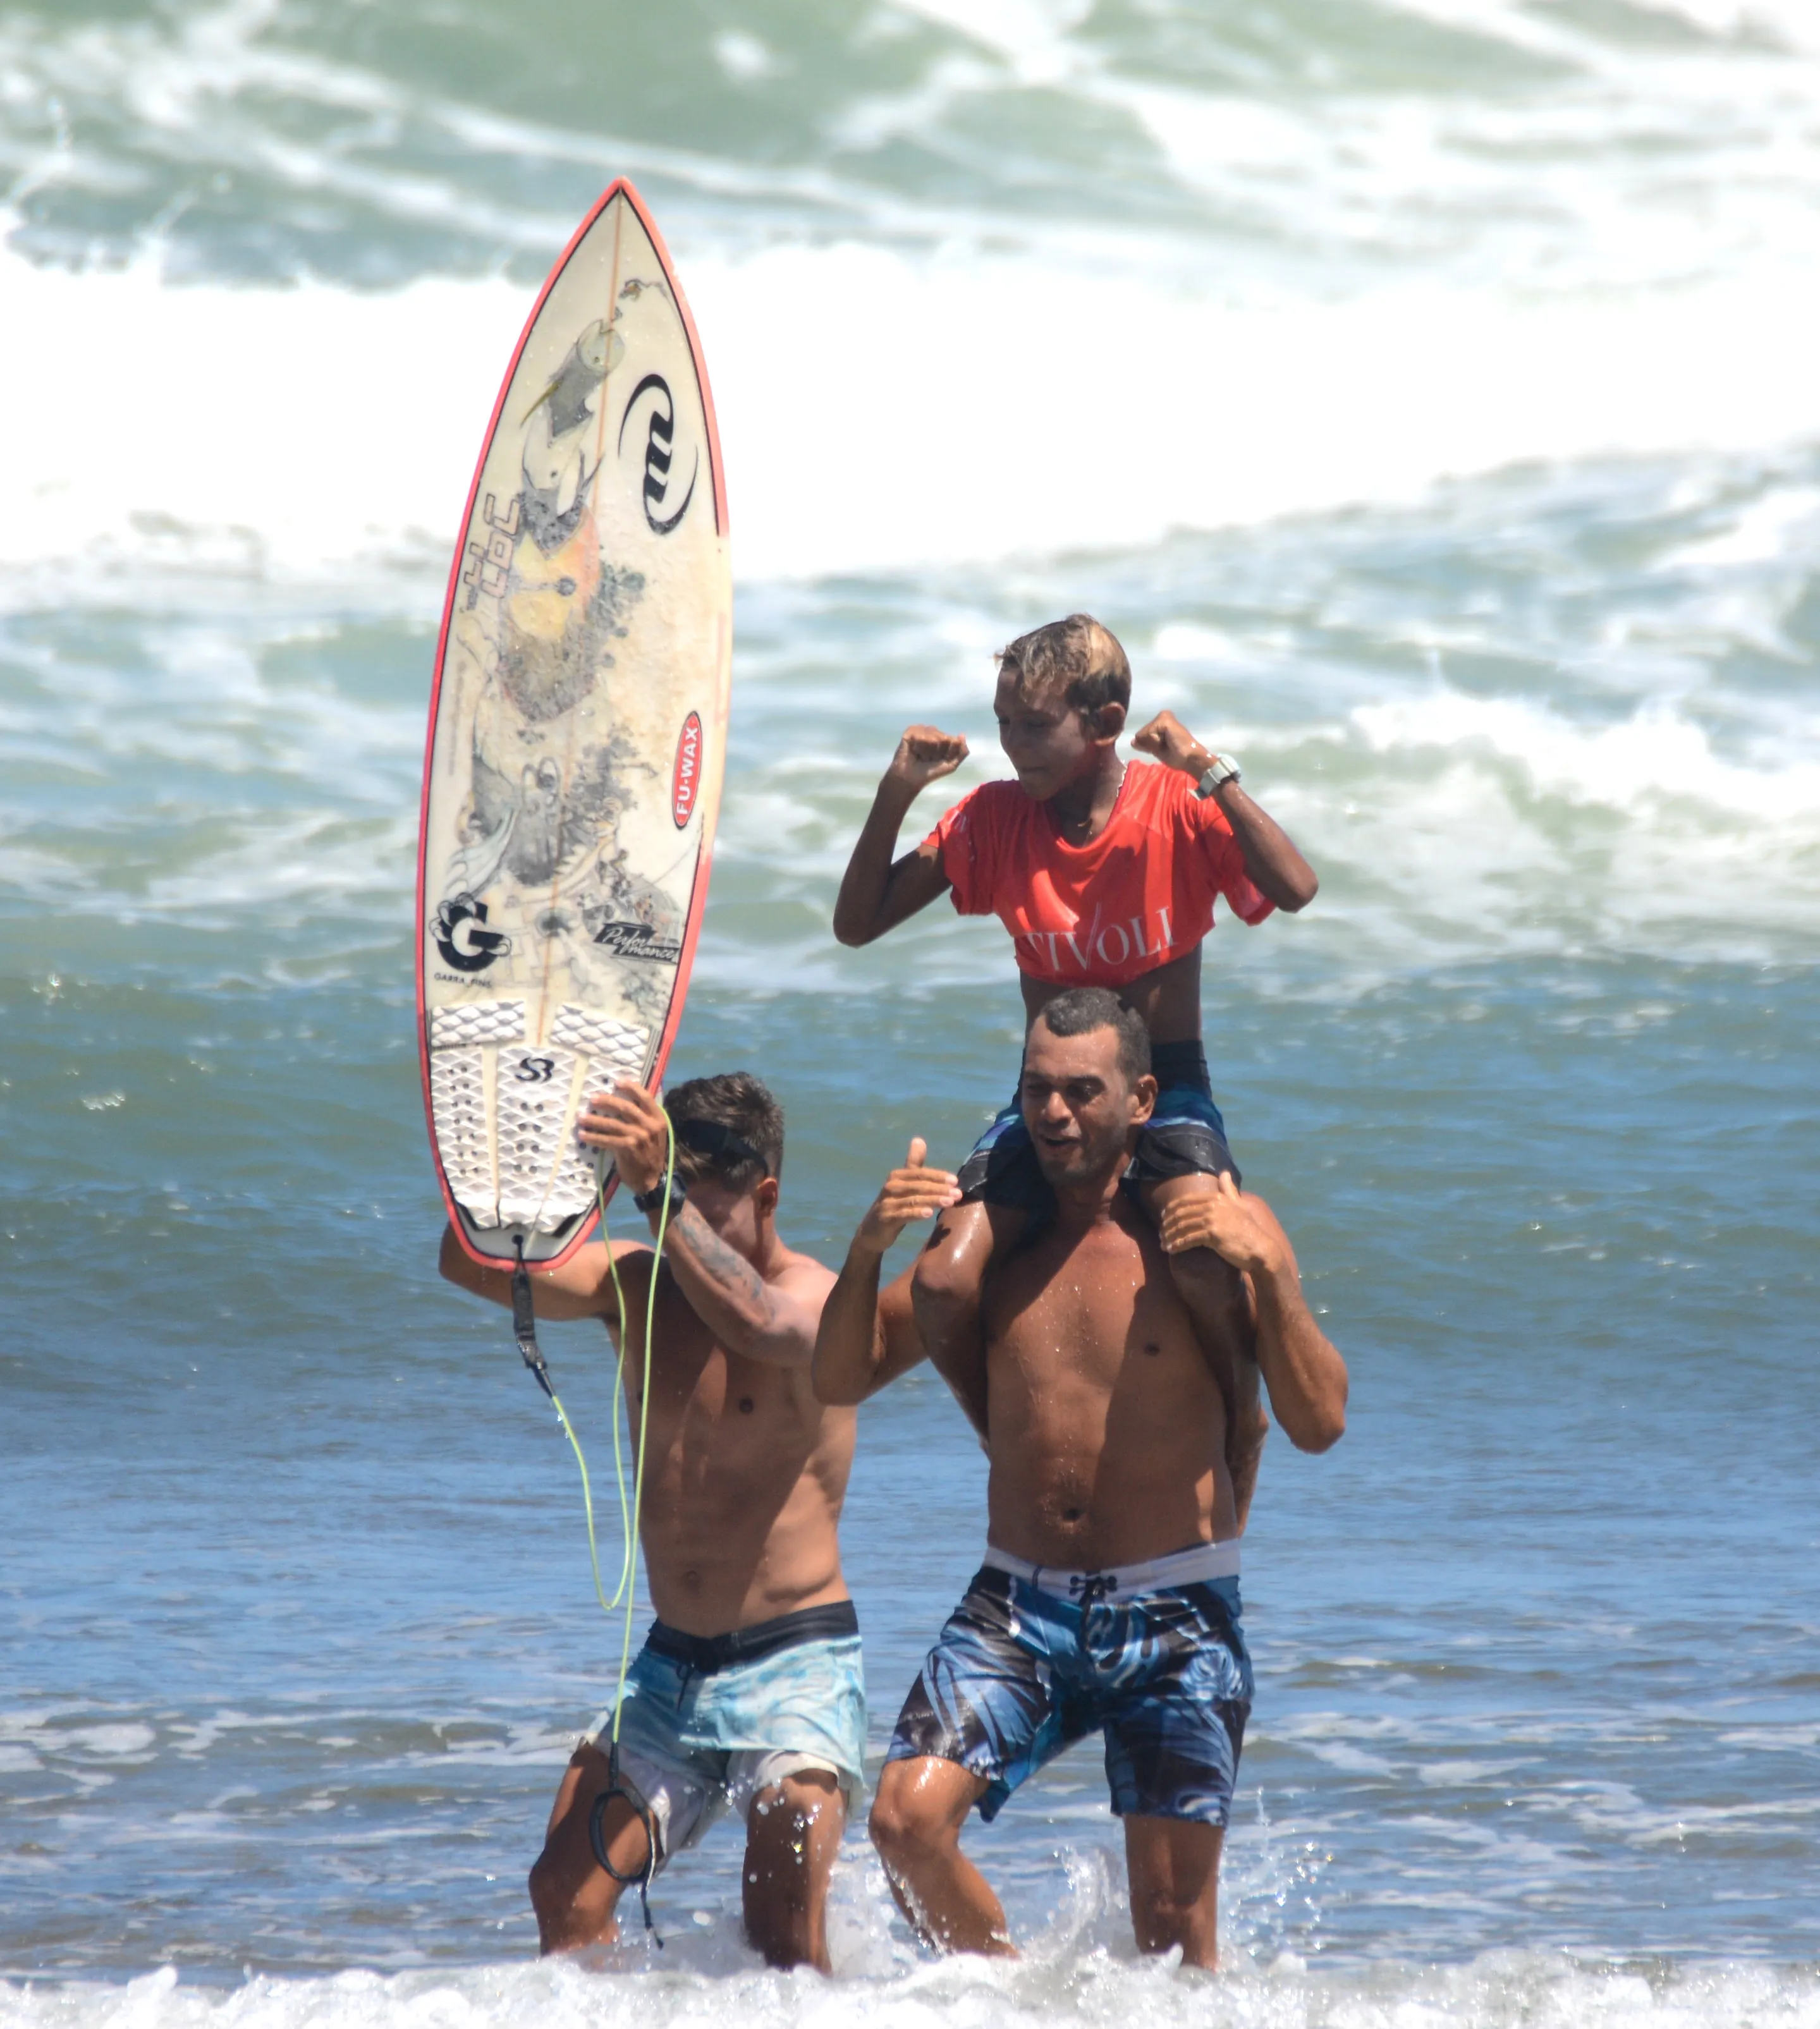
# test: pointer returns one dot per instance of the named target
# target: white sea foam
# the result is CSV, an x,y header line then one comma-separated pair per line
x,y
1645,810
1338,292
1515,281
1703,140
946,409
1531,1989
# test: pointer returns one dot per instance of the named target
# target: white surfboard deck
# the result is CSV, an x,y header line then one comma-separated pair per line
x,y
577,730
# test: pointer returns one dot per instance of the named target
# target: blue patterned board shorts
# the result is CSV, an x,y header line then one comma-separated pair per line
x,y
710,1721
1185,1136
1018,1674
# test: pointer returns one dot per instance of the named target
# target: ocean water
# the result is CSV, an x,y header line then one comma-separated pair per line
x,y
1423,389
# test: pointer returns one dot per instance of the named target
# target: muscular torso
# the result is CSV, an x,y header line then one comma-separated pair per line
x,y
1107,1427
744,1475
1169,998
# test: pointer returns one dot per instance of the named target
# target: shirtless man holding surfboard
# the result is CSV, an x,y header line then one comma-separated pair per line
x,y
1108,1600
748,1692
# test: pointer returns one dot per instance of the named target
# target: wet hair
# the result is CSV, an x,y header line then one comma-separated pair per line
x,y
1082,1009
728,1129
1076,656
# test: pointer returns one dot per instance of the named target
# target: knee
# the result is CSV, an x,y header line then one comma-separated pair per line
x,y
902,1826
550,1895
803,1814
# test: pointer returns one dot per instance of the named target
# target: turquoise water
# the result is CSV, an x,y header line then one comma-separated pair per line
x,y
1421,392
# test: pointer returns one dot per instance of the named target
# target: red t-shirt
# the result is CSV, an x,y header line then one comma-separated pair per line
x,y
1104,913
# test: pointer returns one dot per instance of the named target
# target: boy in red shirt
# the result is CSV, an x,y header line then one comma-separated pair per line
x,y
1105,874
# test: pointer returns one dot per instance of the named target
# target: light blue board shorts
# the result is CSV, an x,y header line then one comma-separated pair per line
x,y
709,1721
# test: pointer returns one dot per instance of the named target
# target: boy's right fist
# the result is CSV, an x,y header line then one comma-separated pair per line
x,y
925,755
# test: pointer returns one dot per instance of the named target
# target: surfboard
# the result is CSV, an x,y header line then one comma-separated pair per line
x,y
577,727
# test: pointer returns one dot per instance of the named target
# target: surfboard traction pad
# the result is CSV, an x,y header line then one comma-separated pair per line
x,y
531,1171
573,769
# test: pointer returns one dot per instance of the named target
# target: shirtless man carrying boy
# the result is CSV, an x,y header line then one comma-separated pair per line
x,y
1108,1599
1106,874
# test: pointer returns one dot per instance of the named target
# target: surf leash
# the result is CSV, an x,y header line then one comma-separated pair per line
x,y
615,1786
525,1330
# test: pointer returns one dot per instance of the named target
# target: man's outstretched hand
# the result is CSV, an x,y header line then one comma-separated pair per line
x,y
912,1193
1239,1229
925,755
628,1123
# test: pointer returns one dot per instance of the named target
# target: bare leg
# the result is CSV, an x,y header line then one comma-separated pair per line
x,y
574,1900
792,1838
916,1821
945,1292
1218,1301
1175,1874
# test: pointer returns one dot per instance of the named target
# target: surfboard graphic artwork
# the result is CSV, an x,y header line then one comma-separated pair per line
x,y
577,728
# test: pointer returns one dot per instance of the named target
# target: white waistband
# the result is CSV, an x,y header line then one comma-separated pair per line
x,y
1121,1583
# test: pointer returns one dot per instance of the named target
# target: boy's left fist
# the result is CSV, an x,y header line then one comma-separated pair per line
x,y
926,754
1173,744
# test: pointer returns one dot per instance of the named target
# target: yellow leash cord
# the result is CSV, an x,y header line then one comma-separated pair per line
x,y
629,1522
525,1326
629,1511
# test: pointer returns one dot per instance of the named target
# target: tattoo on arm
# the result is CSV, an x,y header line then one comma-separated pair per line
x,y
733,1276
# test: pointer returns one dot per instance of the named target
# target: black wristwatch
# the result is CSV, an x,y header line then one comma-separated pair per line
x,y
648,1201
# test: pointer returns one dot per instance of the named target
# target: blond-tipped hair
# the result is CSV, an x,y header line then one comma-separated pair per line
x,y
1076,656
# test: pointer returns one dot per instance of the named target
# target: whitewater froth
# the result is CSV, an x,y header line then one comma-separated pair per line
x,y
879,410
1316,287
1498,1992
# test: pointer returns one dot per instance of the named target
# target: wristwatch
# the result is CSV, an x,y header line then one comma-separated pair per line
x,y
648,1201
1223,769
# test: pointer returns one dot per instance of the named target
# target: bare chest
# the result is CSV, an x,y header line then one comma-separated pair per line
x,y
712,1411
1062,1320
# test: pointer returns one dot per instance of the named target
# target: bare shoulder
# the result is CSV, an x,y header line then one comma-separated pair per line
x,y
1130,1219
1133,1249
802,1276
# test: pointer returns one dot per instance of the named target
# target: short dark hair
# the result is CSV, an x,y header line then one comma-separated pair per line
x,y
1077,656
1082,1009
749,1144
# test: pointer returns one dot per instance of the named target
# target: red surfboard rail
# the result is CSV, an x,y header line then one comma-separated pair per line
x,y
621,187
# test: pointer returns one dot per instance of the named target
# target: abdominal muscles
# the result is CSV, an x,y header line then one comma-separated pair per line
x,y
1107,1430
741,1505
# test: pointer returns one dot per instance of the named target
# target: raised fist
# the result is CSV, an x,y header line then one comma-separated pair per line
x,y
1171,742
925,755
